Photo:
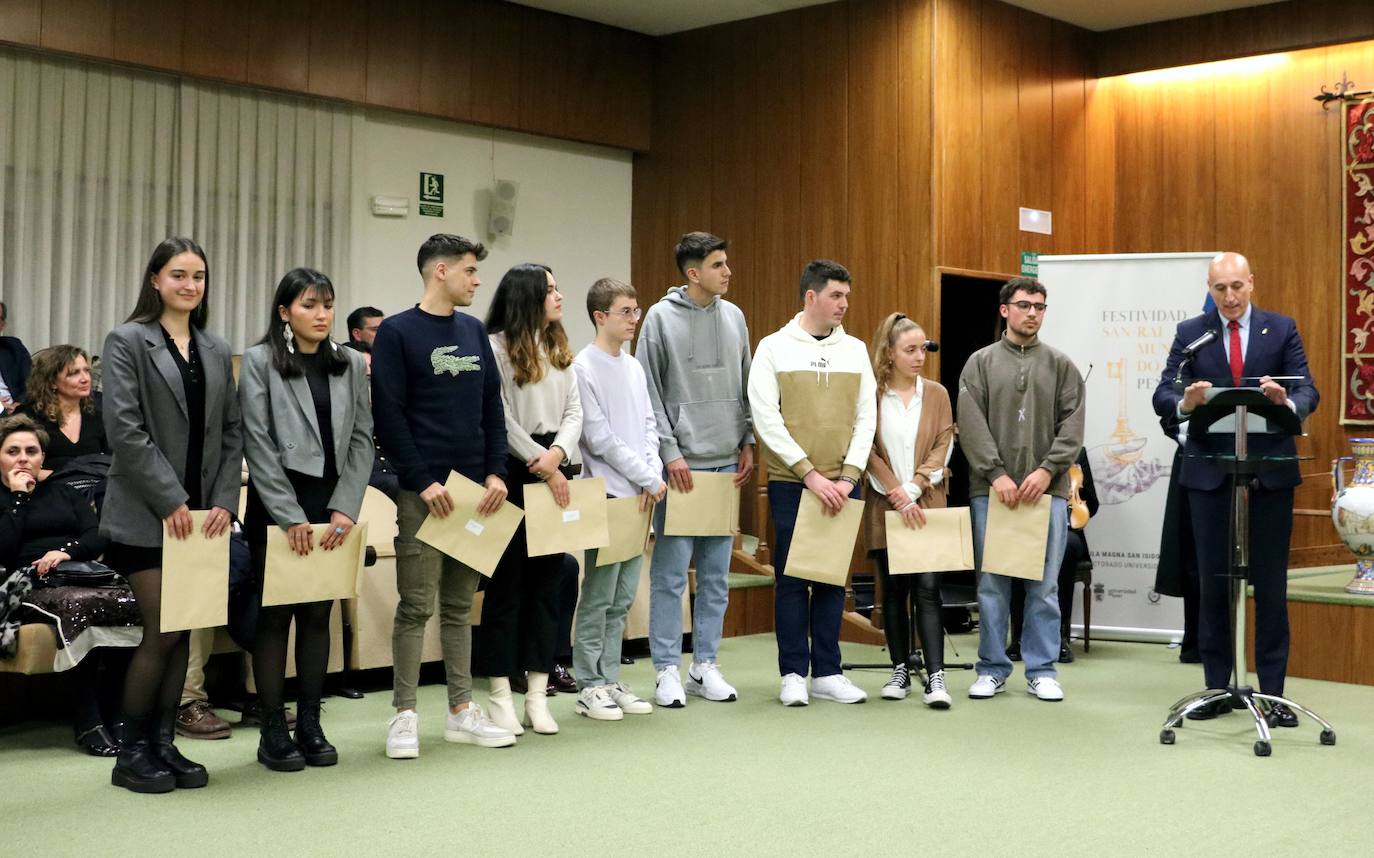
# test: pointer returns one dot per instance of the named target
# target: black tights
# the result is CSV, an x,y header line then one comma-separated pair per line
x,y
157,670
897,592
312,651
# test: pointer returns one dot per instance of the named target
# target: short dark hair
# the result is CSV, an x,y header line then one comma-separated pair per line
x,y
16,423
694,247
603,294
819,272
359,317
1029,285
148,307
359,346
445,245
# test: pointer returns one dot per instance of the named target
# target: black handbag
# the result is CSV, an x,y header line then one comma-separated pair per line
x,y
79,573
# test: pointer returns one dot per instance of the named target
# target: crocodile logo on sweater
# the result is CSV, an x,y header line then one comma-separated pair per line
x,y
444,362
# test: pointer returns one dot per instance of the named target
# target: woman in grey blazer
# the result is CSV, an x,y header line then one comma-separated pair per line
x,y
172,420
308,439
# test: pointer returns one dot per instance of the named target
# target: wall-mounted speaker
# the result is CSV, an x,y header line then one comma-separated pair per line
x,y
501,219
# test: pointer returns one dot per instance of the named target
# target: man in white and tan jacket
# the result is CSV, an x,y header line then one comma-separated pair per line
x,y
812,396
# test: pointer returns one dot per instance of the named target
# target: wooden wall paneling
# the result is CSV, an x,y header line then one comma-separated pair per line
x,y
1001,140
1068,110
824,145
1036,128
399,39
150,32
21,21
278,55
735,118
653,238
446,77
1139,210
338,49
1189,175
497,61
685,145
1100,156
958,163
915,195
83,27
215,41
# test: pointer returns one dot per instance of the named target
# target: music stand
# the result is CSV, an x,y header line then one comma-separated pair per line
x,y
1242,404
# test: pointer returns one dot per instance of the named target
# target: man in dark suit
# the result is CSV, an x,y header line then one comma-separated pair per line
x,y
14,366
1252,345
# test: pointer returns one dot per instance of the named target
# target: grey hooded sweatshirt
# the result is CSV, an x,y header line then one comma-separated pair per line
x,y
696,360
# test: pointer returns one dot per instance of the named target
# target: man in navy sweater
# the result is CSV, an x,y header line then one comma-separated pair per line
x,y
436,402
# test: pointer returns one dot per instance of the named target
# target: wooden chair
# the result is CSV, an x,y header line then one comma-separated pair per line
x,y
1083,572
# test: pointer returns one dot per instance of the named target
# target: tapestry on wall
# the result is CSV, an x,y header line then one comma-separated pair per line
x,y
1357,263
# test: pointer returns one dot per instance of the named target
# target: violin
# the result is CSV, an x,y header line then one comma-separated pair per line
x,y
1078,508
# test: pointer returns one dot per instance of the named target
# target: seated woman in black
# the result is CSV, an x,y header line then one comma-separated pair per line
x,y
61,402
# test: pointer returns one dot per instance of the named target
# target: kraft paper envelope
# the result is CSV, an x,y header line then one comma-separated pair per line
x,y
944,544
711,508
195,578
629,531
320,576
823,545
465,534
1015,541
551,529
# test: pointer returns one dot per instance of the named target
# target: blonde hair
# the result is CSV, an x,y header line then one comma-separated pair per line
x,y
889,331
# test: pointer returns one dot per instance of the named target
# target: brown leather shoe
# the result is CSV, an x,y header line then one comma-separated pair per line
x,y
563,680
196,720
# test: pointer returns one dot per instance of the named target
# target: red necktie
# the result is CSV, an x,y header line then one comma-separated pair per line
x,y
1237,359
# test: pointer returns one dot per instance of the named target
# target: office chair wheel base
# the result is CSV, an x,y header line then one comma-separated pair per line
x,y
1263,749
1328,737
1166,737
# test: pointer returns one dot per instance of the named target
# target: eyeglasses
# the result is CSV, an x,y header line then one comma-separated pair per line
x,y
627,313
1027,306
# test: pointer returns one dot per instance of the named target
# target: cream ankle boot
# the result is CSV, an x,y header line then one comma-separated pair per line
x,y
502,708
537,705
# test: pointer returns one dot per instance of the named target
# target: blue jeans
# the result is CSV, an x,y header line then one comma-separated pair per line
x,y
1040,637
668,581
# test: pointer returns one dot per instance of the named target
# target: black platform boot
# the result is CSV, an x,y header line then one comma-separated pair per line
x,y
188,775
137,768
275,748
310,736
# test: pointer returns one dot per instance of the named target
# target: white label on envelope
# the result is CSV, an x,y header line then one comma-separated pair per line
x,y
474,527
571,515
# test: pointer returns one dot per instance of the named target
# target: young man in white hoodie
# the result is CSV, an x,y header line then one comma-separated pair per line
x,y
694,348
813,398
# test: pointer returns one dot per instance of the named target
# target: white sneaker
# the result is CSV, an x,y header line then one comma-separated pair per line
x,y
597,705
985,686
472,727
898,685
668,688
403,736
793,690
936,696
838,688
704,679
1045,688
629,702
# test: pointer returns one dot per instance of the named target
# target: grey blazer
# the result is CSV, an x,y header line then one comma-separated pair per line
x,y
145,417
281,433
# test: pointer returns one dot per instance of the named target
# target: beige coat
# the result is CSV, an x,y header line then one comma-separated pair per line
x,y
933,437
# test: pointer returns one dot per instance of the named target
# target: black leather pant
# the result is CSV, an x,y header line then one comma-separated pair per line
x,y
897,614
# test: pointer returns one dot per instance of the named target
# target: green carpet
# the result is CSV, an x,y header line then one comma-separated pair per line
x,y
1008,776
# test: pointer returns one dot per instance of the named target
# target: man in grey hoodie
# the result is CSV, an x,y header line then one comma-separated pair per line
x,y
694,347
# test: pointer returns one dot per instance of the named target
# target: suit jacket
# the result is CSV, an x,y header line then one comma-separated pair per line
x,y
934,434
1275,348
281,432
146,425
14,366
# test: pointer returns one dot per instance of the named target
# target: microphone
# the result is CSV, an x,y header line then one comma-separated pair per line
x,y
932,346
1196,345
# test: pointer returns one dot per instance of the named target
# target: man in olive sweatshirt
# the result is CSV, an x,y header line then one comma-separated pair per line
x,y
1021,407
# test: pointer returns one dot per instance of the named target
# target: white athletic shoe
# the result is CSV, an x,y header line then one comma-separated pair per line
x,y
705,680
1045,688
472,727
793,690
985,686
629,702
668,688
403,736
898,685
838,688
936,696
595,703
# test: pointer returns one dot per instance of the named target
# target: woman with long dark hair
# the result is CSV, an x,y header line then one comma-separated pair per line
x,y
543,424
308,439
172,419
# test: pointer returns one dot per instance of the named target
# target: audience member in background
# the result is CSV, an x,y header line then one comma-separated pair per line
x,y
14,366
384,477
307,437
812,393
543,423
44,522
362,326
619,445
195,718
436,397
568,573
906,473
695,352
172,419
60,401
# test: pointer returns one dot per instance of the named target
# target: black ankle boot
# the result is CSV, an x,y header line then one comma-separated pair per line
x,y
275,748
188,775
310,736
137,768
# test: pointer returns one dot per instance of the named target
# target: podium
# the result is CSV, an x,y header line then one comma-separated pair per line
x,y
1241,412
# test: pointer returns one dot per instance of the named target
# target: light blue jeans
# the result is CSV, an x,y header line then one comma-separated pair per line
x,y
599,623
1040,636
668,581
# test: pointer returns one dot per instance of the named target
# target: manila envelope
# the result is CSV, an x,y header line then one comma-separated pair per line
x,y
465,534
629,531
823,545
945,544
1015,541
320,576
711,508
195,579
551,529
